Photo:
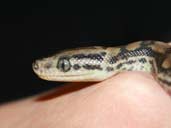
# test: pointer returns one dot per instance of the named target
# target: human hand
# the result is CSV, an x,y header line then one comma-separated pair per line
x,y
127,100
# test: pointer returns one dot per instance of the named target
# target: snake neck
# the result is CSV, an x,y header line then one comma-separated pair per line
x,y
135,60
143,59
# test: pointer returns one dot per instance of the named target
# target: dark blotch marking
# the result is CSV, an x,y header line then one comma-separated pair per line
x,y
79,56
142,60
151,62
123,50
141,52
92,67
113,60
103,53
146,43
95,56
124,68
76,66
109,69
153,66
165,82
130,62
48,65
119,65
127,63
125,54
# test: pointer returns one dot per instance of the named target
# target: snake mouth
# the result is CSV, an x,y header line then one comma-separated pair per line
x,y
64,77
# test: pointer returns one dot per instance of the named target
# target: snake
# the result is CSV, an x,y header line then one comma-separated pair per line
x,y
97,63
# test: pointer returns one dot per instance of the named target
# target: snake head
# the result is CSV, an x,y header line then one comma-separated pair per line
x,y
83,64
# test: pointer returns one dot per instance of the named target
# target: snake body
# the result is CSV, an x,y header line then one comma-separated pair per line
x,y
99,63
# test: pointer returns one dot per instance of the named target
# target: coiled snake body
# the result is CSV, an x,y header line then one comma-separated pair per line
x,y
98,63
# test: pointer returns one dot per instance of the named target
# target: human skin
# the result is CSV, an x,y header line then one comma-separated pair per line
x,y
127,100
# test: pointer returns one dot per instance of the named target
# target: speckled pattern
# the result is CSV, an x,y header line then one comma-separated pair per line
x,y
98,63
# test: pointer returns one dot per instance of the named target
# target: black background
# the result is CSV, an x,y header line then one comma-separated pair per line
x,y
32,30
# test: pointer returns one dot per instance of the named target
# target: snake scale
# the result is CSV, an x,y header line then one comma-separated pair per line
x,y
99,63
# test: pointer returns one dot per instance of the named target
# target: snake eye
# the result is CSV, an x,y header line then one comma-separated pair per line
x,y
63,64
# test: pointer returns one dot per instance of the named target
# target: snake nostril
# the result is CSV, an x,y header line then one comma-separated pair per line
x,y
35,65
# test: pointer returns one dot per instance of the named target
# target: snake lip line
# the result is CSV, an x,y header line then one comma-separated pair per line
x,y
63,75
